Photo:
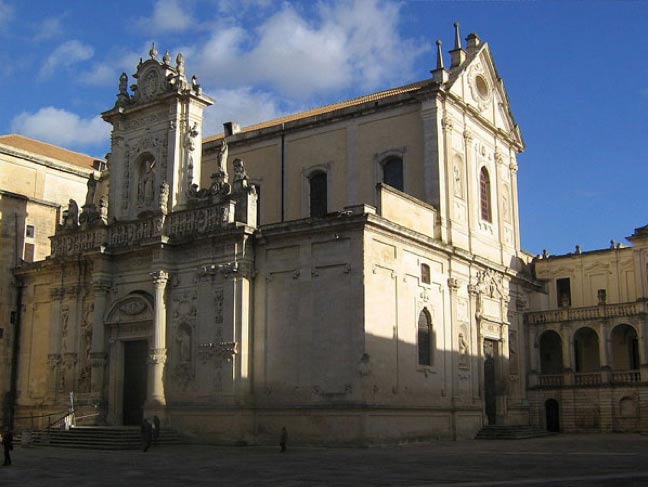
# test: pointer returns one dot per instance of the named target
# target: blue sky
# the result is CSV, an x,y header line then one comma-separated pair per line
x,y
576,73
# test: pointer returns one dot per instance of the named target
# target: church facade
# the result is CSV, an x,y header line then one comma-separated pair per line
x,y
353,273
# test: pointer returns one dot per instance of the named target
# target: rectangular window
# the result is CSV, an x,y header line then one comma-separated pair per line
x,y
563,292
1,332
30,231
28,255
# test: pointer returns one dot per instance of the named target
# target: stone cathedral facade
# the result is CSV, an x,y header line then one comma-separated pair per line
x,y
353,273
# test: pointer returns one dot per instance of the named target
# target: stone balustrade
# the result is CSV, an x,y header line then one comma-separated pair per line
x,y
587,379
585,313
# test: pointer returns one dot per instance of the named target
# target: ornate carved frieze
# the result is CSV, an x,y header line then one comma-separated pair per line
x,y
131,309
157,356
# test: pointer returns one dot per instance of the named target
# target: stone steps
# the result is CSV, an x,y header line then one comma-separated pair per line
x,y
510,432
102,438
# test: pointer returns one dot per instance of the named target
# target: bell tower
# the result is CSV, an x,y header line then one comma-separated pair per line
x,y
156,139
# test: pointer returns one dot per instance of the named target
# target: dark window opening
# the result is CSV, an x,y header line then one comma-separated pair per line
x,y
318,190
393,173
425,274
563,292
30,231
485,195
602,296
424,339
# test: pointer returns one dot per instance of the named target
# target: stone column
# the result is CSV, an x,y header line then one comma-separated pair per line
x,y
100,289
158,352
604,354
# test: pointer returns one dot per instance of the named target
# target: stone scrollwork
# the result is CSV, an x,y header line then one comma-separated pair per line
x,y
219,352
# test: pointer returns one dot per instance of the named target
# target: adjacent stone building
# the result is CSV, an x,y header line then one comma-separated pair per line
x,y
588,367
36,181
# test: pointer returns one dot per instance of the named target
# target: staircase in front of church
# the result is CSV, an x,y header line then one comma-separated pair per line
x,y
101,438
510,432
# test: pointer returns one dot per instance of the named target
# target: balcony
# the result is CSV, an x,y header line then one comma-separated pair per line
x,y
586,379
586,313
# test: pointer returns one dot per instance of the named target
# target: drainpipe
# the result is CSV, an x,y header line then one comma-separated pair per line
x,y
283,167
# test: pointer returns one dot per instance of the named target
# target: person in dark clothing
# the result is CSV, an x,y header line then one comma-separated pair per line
x,y
283,439
147,434
156,429
7,444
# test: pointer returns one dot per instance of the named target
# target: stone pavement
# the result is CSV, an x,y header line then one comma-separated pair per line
x,y
559,461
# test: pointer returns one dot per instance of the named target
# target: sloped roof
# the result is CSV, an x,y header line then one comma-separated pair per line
x,y
331,108
48,150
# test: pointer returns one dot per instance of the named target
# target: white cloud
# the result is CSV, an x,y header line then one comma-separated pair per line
x,y
346,43
100,75
243,106
168,16
49,29
65,55
61,127
6,13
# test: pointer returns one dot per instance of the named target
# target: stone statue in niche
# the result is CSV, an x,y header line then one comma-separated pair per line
x,y
103,209
464,351
458,180
145,186
183,339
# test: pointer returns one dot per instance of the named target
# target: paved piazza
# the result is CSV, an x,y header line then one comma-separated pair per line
x,y
566,460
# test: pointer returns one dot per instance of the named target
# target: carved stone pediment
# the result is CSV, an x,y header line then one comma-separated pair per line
x,y
132,308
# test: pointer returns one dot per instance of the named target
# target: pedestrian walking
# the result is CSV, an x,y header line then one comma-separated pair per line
x,y
7,445
283,439
147,434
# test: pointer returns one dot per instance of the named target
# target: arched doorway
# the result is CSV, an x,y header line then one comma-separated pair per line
x,y
551,360
129,328
552,415
625,348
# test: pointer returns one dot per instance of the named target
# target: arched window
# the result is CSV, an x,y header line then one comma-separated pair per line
x,y
485,195
393,172
425,338
318,190
425,274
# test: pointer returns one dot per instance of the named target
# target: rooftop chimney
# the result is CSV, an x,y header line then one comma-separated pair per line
x,y
473,40
231,128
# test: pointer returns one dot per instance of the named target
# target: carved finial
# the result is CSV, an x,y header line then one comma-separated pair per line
x,y
579,249
180,63
612,244
166,59
440,75
153,52
457,36
123,84
439,55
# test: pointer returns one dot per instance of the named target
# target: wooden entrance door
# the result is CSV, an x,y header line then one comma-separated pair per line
x,y
135,372
490,400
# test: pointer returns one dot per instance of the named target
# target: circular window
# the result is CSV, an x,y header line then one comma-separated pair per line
x,y
482,87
